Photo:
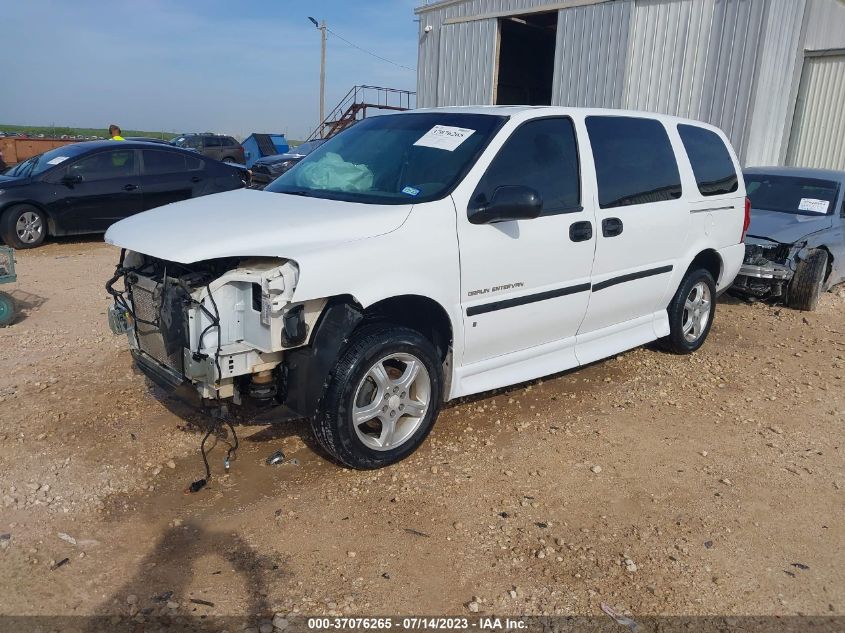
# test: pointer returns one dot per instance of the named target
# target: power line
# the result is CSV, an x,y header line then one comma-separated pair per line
x,y
363,50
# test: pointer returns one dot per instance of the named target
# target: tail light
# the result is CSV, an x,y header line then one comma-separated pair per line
x,y
747,221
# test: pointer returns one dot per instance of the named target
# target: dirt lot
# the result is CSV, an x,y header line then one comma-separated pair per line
x,y
710,484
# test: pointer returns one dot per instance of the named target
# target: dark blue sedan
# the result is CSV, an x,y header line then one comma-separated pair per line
x,y
87,187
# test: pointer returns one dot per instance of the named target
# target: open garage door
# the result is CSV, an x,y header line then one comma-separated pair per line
x,y
818,128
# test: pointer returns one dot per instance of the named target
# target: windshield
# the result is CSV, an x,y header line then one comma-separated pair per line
x,y
791,194
41,163
392,159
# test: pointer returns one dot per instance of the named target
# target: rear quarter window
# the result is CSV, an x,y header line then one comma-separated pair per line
x,y
711,162
635,163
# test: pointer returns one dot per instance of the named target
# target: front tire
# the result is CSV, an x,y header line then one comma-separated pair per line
x,y
691,313
383,397
807,284
23,226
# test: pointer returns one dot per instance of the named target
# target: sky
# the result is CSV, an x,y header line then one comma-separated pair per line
x,y
196,66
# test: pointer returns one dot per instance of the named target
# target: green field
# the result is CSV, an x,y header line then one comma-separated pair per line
x,y
50,130
57,131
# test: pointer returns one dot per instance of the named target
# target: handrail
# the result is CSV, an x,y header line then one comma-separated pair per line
x,y
360,96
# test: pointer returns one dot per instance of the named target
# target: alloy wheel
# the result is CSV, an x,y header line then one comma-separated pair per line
x,y
29,227
391,401
697,308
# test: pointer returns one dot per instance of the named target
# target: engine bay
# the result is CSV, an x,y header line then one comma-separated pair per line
x,y
223,324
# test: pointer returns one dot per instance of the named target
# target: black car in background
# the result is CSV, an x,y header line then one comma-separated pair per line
x,y
217,146
265,170
87,187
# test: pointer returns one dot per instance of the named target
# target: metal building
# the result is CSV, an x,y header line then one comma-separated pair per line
x,y
771,73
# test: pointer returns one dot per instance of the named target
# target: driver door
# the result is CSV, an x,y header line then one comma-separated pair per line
x,y
525,284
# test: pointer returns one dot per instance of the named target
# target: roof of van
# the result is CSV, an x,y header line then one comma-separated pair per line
x,y
515,110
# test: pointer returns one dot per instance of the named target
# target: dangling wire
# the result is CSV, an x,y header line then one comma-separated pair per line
x,y
233,447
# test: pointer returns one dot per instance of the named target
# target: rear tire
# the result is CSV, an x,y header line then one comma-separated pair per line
x,y
23,226
691,313
229,160
386,375
8,309
807,284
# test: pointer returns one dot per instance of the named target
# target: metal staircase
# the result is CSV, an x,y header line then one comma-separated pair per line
x,y
357,102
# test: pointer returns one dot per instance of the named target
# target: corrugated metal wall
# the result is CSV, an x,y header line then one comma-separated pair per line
x,y
466,78
825,25
818,133
776,83
734,63
484,7
695,58
592,44
431,63
428,60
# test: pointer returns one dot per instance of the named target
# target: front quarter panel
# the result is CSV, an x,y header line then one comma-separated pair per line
x,y
418,258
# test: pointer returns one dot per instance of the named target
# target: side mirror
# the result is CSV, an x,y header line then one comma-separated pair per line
x,y
72,179
510,202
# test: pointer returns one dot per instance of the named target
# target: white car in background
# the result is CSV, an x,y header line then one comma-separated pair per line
x,y
428,255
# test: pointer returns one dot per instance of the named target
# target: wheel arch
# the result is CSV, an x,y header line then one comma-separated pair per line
x,y
309,367
830,258
417,312
710,260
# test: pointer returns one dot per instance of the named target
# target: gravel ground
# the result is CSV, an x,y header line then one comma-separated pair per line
x,y
660,485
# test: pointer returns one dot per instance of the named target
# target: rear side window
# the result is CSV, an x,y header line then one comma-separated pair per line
x,y
194,163
212,141
634,160
228,141
543,155
711,163
163,162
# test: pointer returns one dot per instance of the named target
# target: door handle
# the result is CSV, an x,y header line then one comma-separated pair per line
x,y
611,227
580,231
195,179
130,187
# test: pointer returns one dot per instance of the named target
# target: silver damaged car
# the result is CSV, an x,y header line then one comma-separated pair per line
x,y
795,247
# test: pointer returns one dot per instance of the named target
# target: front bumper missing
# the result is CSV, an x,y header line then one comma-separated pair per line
x,y
769,271
171,382
766,271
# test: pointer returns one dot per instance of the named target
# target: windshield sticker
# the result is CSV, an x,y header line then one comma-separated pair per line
x,y
411,191
813,205
57,160
444,137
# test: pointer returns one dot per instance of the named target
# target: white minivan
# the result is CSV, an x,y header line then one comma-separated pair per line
x,y
423,256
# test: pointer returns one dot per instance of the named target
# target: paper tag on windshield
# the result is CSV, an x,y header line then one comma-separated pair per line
x,y
813,205
445,137
57,160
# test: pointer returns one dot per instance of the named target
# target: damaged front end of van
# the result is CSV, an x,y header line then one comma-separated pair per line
x,y
214,329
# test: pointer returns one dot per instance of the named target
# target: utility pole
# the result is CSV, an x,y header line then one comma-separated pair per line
x,y
322,28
